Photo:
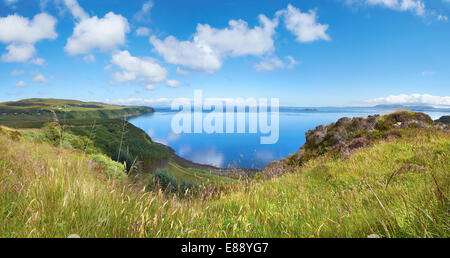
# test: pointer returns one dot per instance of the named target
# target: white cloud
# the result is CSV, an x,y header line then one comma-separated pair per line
x,y
209,157
196,56
140,101
15,28
143,15
304,25
10,2
173,83
76,10
19,53
442,17
17,72
143,31
91,33
40,78
38,61
292,62
132,67
89,58
150,87
425,73
210,46
269,64
415,6
21,34
20,84
182,72
273,63
413,99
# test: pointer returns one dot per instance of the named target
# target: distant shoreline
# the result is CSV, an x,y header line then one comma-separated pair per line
x,y
228,172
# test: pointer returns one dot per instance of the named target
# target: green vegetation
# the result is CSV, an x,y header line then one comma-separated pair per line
x,y
32,113
394,188
93,128
444,120
112,136
112,168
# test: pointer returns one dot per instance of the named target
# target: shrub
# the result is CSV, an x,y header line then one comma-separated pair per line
x,y
79,142
112,168
53,133
165,179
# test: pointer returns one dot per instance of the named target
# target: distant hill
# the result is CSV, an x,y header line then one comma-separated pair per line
x,y
412,107
19,113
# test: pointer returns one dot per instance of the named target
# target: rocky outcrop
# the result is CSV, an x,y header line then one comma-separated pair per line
x,y
346,135
444,120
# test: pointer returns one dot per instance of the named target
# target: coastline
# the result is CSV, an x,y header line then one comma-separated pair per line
x,y
226,172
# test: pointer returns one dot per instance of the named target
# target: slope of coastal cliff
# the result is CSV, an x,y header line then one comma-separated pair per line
x,y
381,176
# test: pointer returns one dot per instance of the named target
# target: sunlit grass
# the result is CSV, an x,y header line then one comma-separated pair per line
x,y
53,192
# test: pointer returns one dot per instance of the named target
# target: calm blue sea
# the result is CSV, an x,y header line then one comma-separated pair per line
x,y
245,150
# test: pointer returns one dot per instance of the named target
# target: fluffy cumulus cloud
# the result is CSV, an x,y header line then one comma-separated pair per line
x,y
148,69
210,46
413,99
38,61
40,78
304,25
21,34
173,83
20,84
91,33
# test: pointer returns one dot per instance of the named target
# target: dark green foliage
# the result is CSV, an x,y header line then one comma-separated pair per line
x,y
53,132
77,118
444,120
164,179
107,134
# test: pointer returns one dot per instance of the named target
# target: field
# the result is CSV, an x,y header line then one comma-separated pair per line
x,y
394,188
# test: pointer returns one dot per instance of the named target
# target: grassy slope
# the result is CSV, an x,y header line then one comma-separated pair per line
x,y
79,117
195,176
107,134
51,192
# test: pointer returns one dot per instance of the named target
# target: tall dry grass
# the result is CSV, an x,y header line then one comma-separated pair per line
x,y
53,192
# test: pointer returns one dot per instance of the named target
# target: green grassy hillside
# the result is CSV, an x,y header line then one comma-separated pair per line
x,y
397,187
32,112
102,124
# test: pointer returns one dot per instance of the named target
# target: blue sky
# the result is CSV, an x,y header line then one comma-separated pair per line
x,y
306,53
